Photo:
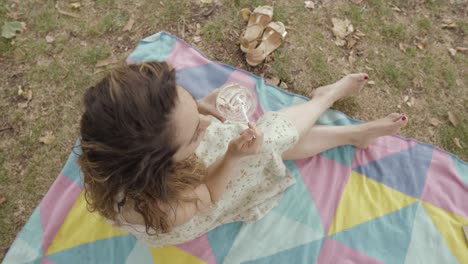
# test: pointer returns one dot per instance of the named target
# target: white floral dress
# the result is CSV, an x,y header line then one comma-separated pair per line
x,y
254,190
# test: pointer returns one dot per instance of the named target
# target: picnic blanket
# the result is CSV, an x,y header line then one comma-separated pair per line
x,y
398,201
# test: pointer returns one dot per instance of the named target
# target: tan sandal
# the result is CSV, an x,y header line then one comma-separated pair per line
x,y
258,20
272,38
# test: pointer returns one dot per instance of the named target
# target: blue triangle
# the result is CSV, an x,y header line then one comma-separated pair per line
x,y
427,243
27,246
462,168
273,99
112,250
222,238
404,171
71,169
140,254
156,47
304,210
307,253
200,80
385,238
341,154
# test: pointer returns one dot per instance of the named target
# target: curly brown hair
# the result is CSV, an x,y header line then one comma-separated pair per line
x,y
128,147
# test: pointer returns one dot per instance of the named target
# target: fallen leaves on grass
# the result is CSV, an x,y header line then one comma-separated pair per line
x,y
452,52
435,122
448,24
27,95
47,139
341,29
49,39
63,12
457,143
453,119
129,25
11,29
75,5
309,4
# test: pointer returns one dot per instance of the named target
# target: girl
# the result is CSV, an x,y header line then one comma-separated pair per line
x,y
157,166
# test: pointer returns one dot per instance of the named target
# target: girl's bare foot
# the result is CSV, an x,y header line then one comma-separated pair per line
x,y
368,132
348,85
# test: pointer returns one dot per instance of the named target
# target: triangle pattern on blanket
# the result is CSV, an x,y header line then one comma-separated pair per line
x,y
259,235
365,238
173,255
111,250
140,254
222,238
405,171
427,241
451,227
304,210
347,254
365,199
462,168
306,253
93,227
341,154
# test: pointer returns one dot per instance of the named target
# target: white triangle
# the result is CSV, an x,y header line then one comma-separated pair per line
x,y
272,234
140,254
427,244
21,252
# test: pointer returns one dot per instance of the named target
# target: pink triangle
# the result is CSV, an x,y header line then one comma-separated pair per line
x,y
184,55
45,260
325,180
380,148
199,247
55,206
244,78
335,252
444,187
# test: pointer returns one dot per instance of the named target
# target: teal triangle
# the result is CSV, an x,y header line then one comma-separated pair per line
x,y
462,168
222,238
427,244
307,253
271,234
27,246
385,238
140,254
112,250
273,99
148,51
304,210
342,154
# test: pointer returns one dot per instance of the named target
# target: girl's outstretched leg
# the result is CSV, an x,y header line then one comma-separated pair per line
x,y
304,116
320,138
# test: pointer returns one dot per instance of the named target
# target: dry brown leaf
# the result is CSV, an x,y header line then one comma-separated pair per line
x,y
129,25
402,47
395,8
452,52
357,2
340,42
197,39
341,27
420,46
309,4
351,43
359,33
75,5
110,60
457,143
245,13
405,99
23,105
448,23
49,39
435,122
273,80
453,118
63,12
371,82
2,200
461,49
48,138
20,90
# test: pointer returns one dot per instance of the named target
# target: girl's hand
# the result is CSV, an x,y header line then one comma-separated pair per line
x,y
207,105
249,142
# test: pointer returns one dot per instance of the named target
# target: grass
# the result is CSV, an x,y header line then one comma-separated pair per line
x,y
308,59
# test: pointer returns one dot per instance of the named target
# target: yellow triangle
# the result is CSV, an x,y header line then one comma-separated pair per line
x,y
173,255
80,227
364,199
451,227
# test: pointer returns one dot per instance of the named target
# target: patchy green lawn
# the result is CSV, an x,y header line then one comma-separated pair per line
x,y
403,45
